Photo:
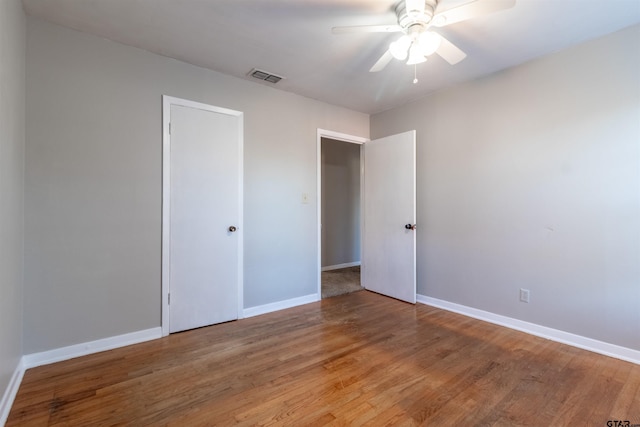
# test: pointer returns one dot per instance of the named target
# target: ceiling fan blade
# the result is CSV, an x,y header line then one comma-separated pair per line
x,y
382,62
391,28
470,10
450,52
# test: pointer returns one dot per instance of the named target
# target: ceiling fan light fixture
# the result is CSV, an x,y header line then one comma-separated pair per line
x,y
399,48
415,55
429,42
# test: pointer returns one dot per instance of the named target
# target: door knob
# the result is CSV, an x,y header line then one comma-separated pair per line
x,y
411,226
232,229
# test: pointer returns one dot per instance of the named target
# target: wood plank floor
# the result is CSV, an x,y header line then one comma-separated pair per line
x,y
356,359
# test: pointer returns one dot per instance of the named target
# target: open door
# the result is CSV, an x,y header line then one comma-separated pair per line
x,y
389,215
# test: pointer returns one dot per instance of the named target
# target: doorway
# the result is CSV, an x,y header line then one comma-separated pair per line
x,y
339,205
388,213
202,215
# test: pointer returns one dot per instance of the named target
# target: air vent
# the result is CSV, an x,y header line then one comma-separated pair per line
x,y
265,75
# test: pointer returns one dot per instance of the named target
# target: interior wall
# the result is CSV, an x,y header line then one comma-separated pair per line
x,y
340,202
93,184
530,178
12,141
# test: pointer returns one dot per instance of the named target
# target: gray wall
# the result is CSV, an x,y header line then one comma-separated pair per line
x,y
12,141
93,184
340,202
531,178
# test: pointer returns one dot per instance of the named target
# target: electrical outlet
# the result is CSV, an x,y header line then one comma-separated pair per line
x,y
524,295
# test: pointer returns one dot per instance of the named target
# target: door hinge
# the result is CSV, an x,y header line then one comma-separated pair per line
x,y
169,128
169,299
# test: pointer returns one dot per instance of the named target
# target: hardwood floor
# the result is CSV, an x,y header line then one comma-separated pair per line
x,y
356,359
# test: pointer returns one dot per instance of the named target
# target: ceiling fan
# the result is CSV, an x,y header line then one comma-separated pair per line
x,y
415,20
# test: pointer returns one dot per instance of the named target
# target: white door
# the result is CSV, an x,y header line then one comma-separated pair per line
x,y
204,208
389,247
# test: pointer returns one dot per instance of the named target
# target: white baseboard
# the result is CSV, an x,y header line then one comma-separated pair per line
x,y
339,266
77,350
563,337
11,391
280,305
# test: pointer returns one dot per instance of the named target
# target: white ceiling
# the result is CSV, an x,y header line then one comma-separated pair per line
x,y
292,38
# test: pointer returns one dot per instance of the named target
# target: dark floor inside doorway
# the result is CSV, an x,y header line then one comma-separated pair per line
x,y
341,281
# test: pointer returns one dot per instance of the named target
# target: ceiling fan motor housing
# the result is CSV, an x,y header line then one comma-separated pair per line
x,y
410,18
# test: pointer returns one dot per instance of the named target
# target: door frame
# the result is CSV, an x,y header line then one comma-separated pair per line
x,y
167,102
338,136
